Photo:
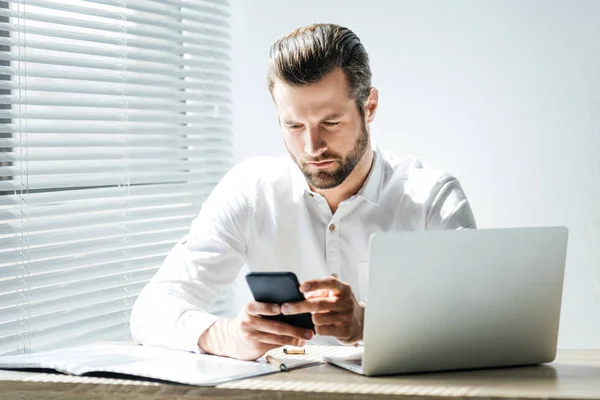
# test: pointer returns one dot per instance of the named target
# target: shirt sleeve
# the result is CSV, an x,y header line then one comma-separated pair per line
x,y
449,208
173,308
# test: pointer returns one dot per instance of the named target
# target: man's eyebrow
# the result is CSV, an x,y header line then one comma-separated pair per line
x,y
327,118
333,116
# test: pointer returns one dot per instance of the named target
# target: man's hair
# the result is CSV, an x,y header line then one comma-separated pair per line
x,y
306,55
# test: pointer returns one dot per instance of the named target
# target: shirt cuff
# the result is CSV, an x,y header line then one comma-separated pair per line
x,y
193,324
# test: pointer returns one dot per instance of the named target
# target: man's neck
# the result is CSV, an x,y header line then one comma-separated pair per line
x,y
351,185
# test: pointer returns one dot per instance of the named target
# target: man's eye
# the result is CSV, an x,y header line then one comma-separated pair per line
x,y
328,123
295,126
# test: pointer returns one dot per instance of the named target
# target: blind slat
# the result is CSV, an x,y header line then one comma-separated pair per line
x,y
106,218
114,64
43,182
42,241
124,83
88,234
108,193
107,166
42,342
134,116
68,316
115,51
49,307
167,7
168,20
60,333
42,294
100,247
52,210
116,26
205,153
118,38
57,280
195,134
86,261
103,217
89,141
203,104
185,85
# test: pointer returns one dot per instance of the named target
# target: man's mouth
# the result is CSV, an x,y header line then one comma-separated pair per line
x,y
321,164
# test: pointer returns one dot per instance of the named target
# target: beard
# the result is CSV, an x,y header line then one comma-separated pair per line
x,y
345,164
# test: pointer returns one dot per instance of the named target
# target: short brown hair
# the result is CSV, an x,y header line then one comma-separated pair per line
x,y
306,55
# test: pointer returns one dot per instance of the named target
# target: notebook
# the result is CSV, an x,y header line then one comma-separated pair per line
x,y
146,361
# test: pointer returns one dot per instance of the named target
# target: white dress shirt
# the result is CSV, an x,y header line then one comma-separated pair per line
x,y
263,214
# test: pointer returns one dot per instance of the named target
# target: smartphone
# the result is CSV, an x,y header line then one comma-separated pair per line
x,y
279,288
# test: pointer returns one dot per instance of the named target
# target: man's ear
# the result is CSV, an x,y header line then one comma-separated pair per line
x,y
371,104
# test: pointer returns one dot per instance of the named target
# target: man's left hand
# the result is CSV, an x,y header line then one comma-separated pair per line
x,y
335,310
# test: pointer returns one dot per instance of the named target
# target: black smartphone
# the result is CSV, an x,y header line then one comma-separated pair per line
x,y
279,288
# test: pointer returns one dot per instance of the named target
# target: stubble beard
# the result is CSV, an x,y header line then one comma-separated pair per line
x,y
345,165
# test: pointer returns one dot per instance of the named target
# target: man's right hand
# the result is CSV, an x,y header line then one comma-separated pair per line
x,y
248,336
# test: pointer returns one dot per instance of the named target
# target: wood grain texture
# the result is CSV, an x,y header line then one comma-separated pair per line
x,y
574,375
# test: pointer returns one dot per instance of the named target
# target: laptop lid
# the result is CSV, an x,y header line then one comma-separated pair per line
x,y
440,300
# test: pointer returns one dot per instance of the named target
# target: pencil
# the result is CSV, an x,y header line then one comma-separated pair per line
x,y
276,362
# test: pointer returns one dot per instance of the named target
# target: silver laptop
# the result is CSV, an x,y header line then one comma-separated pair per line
x,y
449,300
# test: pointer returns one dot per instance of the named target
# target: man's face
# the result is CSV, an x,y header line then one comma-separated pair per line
x,y
322,129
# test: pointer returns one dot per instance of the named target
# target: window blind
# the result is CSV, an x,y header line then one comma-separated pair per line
x,y
115,125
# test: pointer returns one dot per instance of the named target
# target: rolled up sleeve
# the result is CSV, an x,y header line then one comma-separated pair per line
x,y
173,309
449,207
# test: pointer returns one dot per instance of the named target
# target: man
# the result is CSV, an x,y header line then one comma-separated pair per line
x,y
310,212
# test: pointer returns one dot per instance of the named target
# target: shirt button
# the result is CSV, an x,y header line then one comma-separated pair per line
x,y
331,227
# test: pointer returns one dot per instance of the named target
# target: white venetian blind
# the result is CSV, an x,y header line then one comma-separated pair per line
x,y
114,127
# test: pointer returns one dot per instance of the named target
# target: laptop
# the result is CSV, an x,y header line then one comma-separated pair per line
x,y
464,299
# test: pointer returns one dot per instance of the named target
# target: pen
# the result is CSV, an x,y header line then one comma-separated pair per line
x,y
277,363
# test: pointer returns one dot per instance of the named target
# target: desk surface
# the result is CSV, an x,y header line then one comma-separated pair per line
x,y
574,375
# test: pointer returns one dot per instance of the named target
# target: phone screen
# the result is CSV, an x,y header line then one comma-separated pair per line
x,y
279,288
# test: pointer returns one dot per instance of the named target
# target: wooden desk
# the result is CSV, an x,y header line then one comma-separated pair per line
x,y
574,375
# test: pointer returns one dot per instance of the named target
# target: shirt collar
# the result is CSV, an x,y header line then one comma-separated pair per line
x,y
371,189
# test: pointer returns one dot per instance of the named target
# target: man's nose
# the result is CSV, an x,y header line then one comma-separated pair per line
x,y
314,144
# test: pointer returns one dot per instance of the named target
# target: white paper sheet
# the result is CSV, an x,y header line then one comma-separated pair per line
x,y
145,361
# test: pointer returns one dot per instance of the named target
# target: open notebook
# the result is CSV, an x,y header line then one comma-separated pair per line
x,y
145,361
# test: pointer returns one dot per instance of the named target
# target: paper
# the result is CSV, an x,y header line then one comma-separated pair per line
x,y
145,361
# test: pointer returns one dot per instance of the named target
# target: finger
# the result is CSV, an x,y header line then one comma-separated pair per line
x,y
278,328
330,330
256,309
319,304
331,318
329,283
277,340
316,293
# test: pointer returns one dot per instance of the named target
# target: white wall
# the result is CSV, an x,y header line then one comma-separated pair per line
x,y
503,94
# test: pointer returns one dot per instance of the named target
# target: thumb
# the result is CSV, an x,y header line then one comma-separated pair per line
x,y
317,293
